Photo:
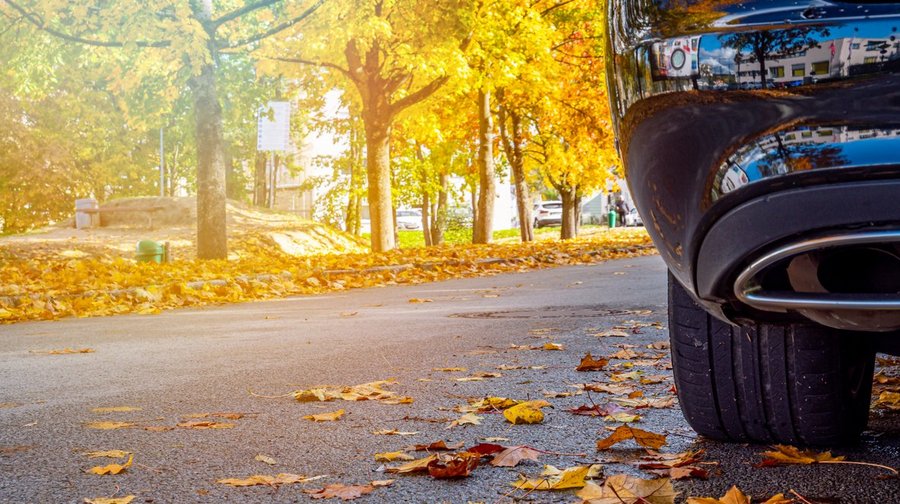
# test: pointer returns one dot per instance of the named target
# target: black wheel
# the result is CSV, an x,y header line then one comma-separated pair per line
x,y
537,224
767,383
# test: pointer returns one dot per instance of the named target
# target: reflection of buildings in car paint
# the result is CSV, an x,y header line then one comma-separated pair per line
x,y
832,58
805,148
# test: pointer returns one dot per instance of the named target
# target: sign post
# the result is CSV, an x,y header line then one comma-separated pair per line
x,y
273,135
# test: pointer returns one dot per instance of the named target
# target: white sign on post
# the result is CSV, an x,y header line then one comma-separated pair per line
x,y
274,127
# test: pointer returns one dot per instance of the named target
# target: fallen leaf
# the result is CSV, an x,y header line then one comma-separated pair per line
x,y
620,377
108,425
512,455
467,419
526,413
265,459
205,424
733,496
382,483
622,417
397,456
554,479
608,388
438,446
417,300
278,480
460,465
343,492
888,400
6,451
623,489
641,437
326,417
486,449
552,346
450,369
65,351
659,345
110,500
115,409
614,333
112,468
469,379
588,363
786,454
553,395
394,432
414,466
228,416
372,391
107,454
158,428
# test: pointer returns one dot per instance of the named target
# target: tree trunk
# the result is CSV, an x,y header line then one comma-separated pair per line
x,y
426,222
484,231
516,157
212,236
378,171
440,214
568,197
260,188
577,213
763,78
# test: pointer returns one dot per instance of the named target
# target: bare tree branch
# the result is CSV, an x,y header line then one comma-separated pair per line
x,y
278,28
424,92
242,11
37,22
323,64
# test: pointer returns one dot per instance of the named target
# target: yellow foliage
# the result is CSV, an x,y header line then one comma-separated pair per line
x,y
112,468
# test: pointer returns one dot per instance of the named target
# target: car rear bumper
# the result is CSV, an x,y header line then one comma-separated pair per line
x,y
727,167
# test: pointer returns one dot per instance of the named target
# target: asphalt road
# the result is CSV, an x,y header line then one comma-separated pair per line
x,y
223,359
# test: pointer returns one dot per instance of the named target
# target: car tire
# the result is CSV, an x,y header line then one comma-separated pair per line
x,y
537,224
767,383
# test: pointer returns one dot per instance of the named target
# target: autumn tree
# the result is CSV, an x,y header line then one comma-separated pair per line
x,y
393,55
182,44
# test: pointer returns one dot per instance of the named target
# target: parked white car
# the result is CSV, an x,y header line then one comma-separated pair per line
x,y
547,213
409,219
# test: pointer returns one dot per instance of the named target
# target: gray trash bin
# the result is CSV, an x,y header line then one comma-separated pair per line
x,y
83,219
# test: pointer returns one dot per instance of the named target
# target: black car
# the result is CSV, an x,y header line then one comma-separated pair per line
x,y
761,143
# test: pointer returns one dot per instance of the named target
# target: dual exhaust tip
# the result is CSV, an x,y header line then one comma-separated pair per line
x,y
846,281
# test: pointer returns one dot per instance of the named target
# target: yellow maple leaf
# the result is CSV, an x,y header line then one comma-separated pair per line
x,y
116,409
112,468
467,419
526,413
417,465
786,454
326,417
552,346
397,456
108,425
110,500
623,489
554,479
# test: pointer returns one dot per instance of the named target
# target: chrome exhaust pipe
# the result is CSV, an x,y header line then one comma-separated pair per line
x,y
846,281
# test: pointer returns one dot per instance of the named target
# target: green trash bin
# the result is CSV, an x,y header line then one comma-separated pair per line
x,y
611,218
150,251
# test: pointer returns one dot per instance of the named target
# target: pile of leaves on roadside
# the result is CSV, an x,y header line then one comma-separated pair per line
x,y
43,286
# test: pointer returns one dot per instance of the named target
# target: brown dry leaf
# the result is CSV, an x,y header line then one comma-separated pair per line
x,y
341,491
414,466
623,489
554,479
656,460
227,416
620,377
265,459
486,449
467,419
786,455
438,446
397,456
622,417
659,345
108,425
653,379
456,466
733,496
64,351
528,412
110,500
107,454
112,468
372,391
418,300
624,354
205,424
258,479
555,395
450,369
588,363
608,388
116,409
512,455
326,417
382,483
643,438
158,428
888,400
394,432
685,472
552,346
